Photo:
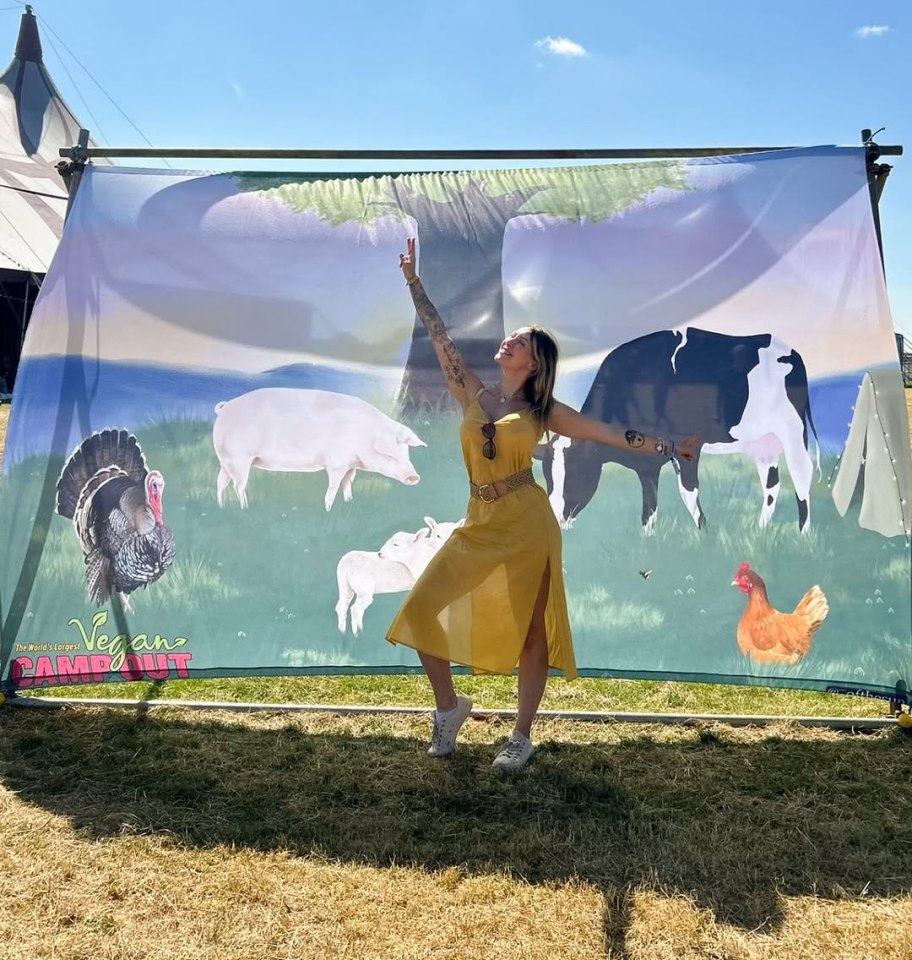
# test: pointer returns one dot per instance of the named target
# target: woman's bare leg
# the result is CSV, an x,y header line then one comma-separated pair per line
x,y
533,661
441,678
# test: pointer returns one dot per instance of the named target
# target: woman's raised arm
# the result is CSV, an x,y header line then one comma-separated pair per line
x,y
463,384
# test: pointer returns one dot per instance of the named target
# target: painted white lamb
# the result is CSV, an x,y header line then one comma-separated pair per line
x,y
361,575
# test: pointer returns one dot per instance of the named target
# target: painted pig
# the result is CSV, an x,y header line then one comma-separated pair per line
x,y
307,430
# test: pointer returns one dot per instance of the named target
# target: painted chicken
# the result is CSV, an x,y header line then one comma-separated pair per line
x,y
768,636
115,504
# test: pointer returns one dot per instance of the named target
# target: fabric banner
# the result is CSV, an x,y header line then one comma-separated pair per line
x,y
231,450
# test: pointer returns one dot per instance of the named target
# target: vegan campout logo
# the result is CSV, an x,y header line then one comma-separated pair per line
x,y
92,656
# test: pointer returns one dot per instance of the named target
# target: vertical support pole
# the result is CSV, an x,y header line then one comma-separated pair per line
x,y
877,178
25,315
71,173
75,169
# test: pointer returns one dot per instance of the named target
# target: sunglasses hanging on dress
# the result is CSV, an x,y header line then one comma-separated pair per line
x,y
489,451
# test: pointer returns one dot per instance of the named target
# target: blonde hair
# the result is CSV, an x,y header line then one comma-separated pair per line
x,y
539,386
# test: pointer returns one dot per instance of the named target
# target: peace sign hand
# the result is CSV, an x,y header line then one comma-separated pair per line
x,y
407,261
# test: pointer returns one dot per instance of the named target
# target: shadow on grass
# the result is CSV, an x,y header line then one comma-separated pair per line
x,y
733,825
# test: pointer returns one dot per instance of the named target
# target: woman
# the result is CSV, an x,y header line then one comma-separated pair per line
x,y
493,595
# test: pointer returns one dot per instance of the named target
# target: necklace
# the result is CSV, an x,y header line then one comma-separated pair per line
x,y
505,397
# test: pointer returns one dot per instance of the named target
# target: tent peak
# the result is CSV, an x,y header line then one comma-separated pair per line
x,y
28,46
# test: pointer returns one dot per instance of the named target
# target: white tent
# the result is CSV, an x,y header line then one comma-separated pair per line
x,y
876,458
35,122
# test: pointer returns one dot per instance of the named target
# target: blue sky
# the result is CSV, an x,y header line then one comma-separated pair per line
x,y
493,73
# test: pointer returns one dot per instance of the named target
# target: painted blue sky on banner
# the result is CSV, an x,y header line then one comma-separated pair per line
x,y
190,272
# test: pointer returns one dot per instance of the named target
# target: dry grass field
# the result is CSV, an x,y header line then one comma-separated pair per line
x,y
167,834
183,835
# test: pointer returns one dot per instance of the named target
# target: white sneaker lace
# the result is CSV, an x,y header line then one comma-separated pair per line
x,y
437,733
513,748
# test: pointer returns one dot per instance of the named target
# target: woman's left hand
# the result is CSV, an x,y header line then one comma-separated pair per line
x,y
687,449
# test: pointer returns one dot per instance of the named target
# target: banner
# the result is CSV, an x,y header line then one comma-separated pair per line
x,y
231,449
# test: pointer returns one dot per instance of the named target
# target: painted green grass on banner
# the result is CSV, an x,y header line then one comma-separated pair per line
x,y
269,571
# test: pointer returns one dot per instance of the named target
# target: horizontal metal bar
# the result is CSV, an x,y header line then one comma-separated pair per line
x,y
733,720
243,153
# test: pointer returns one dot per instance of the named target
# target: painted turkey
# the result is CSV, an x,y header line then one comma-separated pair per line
x,y
115,503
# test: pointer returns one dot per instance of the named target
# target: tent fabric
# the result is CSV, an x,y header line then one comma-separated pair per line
x,y
35,122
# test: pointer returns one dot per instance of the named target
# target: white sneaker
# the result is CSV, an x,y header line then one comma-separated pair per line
x,y
446,726
515,753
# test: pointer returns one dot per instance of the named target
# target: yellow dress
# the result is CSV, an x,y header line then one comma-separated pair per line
x,y
473,604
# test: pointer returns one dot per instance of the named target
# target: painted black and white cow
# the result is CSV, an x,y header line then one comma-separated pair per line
x,y
739,394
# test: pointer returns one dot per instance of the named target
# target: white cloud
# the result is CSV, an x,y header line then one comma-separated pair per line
x,y
239,91
561,47
872,31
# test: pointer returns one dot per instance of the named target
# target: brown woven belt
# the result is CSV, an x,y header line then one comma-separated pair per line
x,y
489,492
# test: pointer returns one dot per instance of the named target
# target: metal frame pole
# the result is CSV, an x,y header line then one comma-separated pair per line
x,y
584,716
877,178
71,172
82,153
72,169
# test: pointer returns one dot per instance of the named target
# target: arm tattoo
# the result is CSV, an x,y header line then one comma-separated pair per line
x,y
428,314
451,361
453,367
634,438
